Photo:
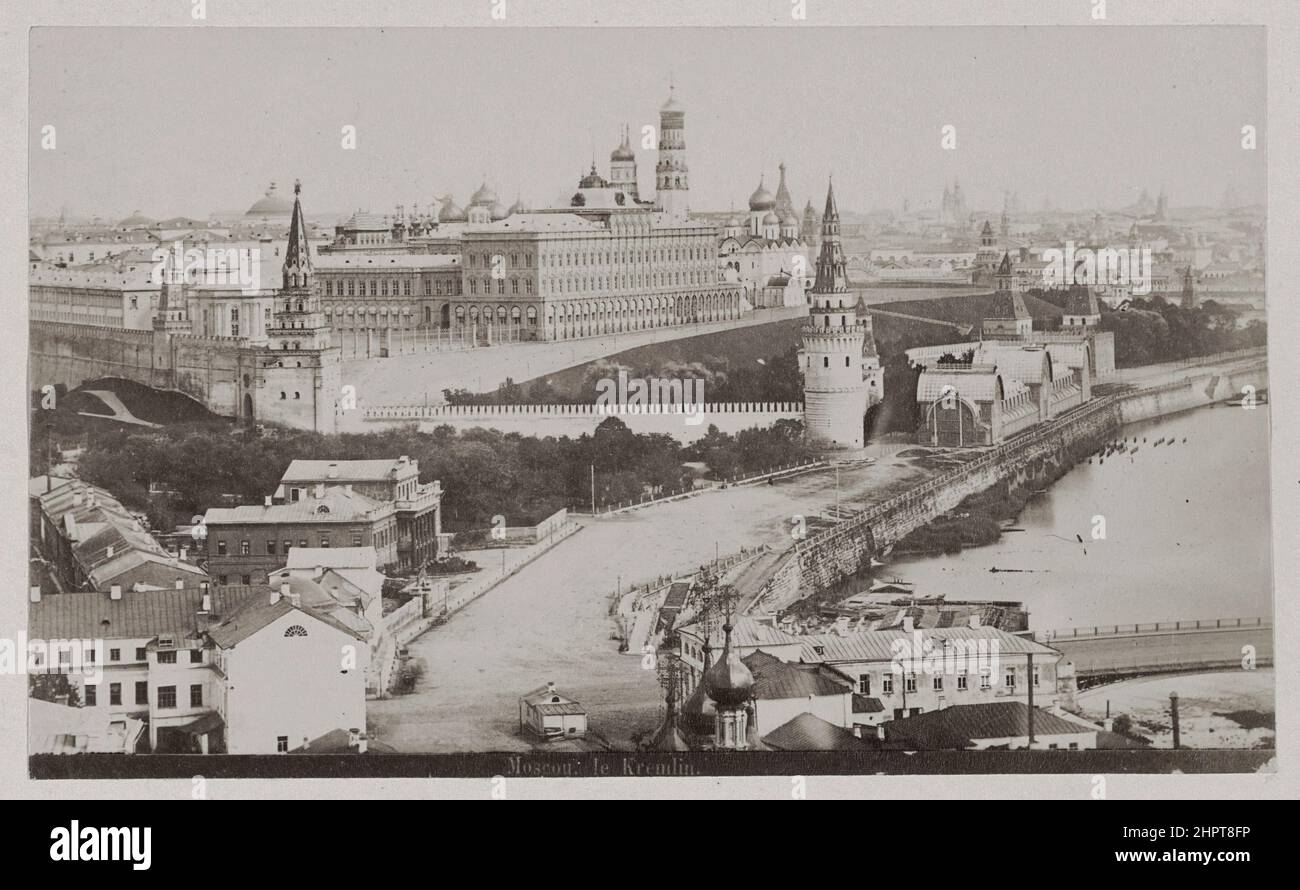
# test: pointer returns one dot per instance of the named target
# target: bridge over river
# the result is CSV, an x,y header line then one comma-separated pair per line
x,y
1109,653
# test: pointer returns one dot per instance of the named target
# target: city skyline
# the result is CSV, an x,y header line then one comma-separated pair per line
x,y
125,143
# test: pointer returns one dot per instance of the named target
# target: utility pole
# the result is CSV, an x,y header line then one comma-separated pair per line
x,y
1029,668
1173,714
593,491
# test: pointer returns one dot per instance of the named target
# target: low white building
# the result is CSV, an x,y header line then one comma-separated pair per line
x,y
549,715
956,666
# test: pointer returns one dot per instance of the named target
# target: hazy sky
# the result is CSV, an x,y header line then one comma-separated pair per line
x,y
194,120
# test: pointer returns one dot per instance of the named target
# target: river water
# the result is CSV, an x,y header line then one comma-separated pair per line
x,y
1187,533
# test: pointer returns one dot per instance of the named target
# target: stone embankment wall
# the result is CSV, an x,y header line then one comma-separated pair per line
x,y
824,559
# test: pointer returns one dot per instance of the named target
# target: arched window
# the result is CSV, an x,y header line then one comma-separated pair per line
x,y
295,630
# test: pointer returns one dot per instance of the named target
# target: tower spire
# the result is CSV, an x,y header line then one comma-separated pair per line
x,y
297,254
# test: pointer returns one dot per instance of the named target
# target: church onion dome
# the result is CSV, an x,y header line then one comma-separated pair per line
x,y
499,211
771,219
697,712
484,196
729,681
988,228
623,152
734,222
271,204
450,212
761,199
518,207
672,104
791,221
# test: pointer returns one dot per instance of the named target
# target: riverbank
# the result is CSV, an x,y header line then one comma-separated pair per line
x,y
981,518
1231,709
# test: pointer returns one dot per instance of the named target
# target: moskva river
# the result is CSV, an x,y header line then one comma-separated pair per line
x,y
1186,532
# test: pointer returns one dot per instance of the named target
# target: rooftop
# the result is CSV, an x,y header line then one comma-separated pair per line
x,y
337,504
776,679
809,733
877,645
959,726
258,611
140,615
345,470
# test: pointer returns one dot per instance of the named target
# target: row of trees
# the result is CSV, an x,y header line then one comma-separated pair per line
x,y
176,472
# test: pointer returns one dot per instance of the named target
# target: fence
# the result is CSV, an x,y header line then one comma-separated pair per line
x,y
437,412
1111,630
611,508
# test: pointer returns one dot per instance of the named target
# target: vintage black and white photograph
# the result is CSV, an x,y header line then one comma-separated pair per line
x,y
559,401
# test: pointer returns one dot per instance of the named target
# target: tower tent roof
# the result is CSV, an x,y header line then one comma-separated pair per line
x,y
297,254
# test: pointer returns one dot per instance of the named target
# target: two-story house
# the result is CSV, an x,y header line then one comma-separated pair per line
x,y
245,545
418,505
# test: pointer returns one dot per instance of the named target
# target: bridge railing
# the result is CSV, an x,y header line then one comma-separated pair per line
x,y
1180,626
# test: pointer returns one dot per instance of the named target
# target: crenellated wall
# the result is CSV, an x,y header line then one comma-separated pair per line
x,y
70,354
219,372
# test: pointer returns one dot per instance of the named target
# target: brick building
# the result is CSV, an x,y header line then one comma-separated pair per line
x,y
246,544
419,506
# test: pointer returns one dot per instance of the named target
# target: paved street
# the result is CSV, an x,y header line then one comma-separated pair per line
x,y
550,621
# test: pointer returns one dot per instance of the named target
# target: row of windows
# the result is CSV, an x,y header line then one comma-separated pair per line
x,y
501,286
381,287
115,656
325,538
936,682
166,695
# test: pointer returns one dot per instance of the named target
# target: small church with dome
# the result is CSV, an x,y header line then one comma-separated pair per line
x,y
765,250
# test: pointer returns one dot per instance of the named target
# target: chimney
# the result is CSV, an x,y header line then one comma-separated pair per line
x,y
362,744
405,458
550,686
180,584
841,625
115,592
267,501
909,623
333,472
185,553
974,621
320,489
1108,724
35,593
295,600
354,737
110,551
